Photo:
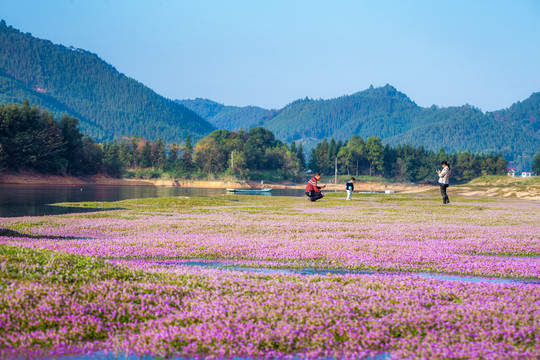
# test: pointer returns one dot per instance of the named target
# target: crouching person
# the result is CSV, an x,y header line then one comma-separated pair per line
x,y
313,190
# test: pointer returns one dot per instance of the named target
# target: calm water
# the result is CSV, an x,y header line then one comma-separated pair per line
x,y
121,356
216,264
16,200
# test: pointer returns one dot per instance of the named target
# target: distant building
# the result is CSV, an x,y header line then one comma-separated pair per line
x,y
527,174
511,172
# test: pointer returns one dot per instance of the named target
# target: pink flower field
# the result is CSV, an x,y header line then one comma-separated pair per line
x,y
118,281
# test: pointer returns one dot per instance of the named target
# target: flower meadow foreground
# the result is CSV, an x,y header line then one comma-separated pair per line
x,y
118,281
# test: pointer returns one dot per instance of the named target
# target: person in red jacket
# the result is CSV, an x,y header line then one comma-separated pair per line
x,y
313,190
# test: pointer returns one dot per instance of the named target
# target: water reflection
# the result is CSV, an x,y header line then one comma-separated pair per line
x,y
314,271
18,200
100,355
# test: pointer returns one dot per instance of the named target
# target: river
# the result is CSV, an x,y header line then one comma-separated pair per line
x,y
24,200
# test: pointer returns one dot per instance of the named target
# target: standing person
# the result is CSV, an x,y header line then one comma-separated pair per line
x,y
444,177
313,190
350,187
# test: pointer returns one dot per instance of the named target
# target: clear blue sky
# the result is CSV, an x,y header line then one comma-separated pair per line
x,y
269,53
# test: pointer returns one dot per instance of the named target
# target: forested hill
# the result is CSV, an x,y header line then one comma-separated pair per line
x,y
467,128
79,83
396,119
231,118
523,115
383,112
111,105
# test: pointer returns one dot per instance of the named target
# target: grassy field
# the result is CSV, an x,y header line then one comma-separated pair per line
x,y
116,280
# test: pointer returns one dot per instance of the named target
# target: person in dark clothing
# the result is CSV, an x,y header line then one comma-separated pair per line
x,y
313,190
444,180
350,187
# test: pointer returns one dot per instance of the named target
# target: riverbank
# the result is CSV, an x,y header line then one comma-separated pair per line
x,y
32,179
487,186
502,187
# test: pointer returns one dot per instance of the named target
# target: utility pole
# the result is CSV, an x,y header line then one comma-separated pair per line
x,y
335,177
232,160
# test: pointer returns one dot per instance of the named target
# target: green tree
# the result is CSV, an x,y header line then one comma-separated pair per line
x,y
42,147
254,153
501,166
75,163
536,164
301,157
467,167
357,158
344,159
292,167
259,139
2,158
187,157
263,137
111,160
275,158
375,154
292,148
93,155
31,138
328,163
158,153
239,162
391,166
208,157
146,155
173,153
128,153
318,159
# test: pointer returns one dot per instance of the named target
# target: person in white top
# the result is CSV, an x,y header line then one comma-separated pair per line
x,y
444,179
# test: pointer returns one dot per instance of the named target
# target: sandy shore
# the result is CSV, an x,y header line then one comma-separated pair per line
x,y
31,179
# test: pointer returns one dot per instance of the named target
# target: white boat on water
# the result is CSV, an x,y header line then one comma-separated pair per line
x,y
249,190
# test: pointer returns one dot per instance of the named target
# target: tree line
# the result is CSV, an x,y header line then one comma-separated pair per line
x,y
31,138
110,105
254,154
396,119
401,163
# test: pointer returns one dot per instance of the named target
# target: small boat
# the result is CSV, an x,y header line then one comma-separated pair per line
x,y
249,190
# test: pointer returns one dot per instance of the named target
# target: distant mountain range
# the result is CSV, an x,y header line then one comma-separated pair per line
x,y
391,115
228,117
111,105
74,81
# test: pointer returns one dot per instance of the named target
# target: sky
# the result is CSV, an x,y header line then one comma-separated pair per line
x,y
269,53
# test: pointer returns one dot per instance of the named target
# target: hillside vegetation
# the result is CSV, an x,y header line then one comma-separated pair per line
x,y
227,117
109,105
389,114
76,82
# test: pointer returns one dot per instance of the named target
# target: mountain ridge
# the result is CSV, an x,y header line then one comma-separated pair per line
x,y
108,103
111,105
225,116
392,115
